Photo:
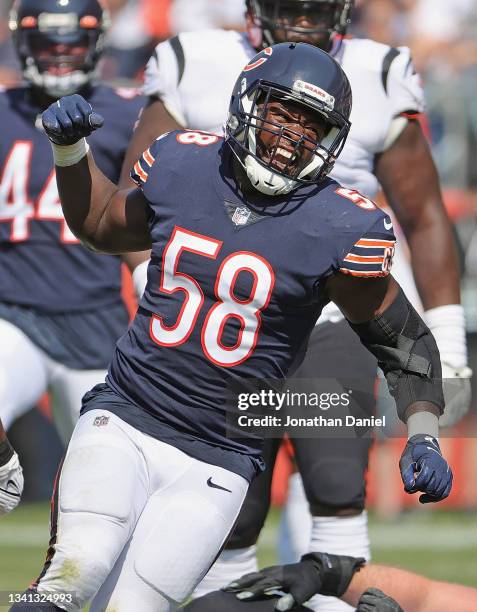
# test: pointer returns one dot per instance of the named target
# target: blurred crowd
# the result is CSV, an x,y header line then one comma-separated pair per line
x,y
442,35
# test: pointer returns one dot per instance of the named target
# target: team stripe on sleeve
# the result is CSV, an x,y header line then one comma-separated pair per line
x,y
370,256
140,172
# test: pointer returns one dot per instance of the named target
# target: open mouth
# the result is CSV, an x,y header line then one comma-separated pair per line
x,y
284,158
281,159
60,70
283,148
284,153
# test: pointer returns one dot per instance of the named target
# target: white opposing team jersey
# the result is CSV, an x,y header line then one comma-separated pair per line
x,y
384,85
195,72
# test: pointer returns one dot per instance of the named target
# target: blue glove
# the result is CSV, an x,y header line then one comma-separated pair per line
x,y
70,119
423,468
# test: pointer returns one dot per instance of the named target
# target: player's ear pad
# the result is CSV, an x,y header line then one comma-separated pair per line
x,y
219,601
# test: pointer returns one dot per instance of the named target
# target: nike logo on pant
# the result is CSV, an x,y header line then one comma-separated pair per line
x,y
212,485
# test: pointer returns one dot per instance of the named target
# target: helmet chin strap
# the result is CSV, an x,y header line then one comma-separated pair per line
x,y
268,182
265,180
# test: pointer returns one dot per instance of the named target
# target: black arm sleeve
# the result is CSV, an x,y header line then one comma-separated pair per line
x,y
406,352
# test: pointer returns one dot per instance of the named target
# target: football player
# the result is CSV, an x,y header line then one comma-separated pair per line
x,y
363,587
11,475
187,81
153,480
61,310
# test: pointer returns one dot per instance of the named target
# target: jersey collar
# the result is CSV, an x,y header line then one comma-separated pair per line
x,y
226,189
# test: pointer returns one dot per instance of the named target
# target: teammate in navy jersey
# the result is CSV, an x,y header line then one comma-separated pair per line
x,y
61,310
249,240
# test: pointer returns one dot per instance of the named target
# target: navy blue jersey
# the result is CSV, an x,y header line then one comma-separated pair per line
x,y
234,287
42,264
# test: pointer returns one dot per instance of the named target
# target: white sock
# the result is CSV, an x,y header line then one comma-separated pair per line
x,y
230,565
340,536
295,523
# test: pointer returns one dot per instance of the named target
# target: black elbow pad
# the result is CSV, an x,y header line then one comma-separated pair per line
x,y
406,352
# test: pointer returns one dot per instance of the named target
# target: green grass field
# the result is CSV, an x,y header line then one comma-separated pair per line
x,y
441,545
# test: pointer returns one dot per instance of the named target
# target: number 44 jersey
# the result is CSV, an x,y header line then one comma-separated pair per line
x,y
43,266
234,288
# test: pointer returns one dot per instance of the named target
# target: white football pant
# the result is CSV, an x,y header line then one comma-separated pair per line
x,y
26,373
139,522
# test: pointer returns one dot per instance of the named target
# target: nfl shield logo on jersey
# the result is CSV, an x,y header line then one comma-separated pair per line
x,y
241,215
101,421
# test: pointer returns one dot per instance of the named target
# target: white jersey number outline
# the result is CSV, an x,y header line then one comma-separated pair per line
x,y
247,311
356,198
202,139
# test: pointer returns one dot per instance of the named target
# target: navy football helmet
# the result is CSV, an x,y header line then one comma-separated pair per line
x,y
305,77
59,42
279,20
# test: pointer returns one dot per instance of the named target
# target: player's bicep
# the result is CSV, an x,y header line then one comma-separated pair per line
x,y
124,225
413,195
361,299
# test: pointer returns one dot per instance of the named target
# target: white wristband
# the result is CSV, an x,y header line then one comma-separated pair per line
x,y
69,155
423,423
139,277
447,324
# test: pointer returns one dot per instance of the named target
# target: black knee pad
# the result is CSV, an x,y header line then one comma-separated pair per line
x,y
257,502
333,472
218,601
249,523
335,484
